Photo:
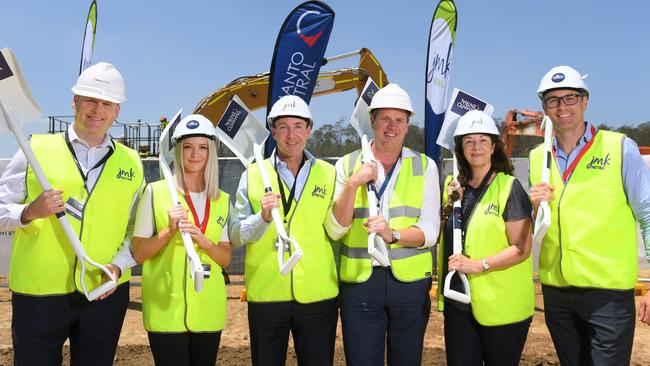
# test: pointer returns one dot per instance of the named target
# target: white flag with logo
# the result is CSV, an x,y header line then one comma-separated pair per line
x,y
14,92
239,130
460,103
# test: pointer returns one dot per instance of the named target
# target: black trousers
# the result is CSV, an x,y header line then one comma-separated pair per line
x,y
590,326
184,349
468,343
381,313
40,326
313,327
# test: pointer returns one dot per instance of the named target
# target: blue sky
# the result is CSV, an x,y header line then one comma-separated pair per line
x,y
173,53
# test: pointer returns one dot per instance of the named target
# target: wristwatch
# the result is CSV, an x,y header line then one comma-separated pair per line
x,y
395,237
486,265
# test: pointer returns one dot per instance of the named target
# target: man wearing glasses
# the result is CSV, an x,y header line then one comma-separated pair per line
x,y
588,260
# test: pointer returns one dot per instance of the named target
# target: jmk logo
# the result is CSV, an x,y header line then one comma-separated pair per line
x,y
123,174
310,40
598,163
492,209
319,192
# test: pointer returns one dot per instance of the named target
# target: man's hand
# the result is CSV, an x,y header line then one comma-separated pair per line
x,y
367,173
644,309
46,204
541,192
117,273
268,202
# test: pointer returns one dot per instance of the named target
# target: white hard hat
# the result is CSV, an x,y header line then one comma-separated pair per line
x,y
562,77
290,105
194,125
101,81
476,121
392,96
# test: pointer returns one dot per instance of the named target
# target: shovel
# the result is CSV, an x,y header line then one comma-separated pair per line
x,y
244,135
543,218
464,296
16,98
360,120
166,155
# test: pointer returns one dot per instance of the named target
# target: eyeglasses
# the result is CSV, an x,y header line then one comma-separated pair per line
x,y
569,99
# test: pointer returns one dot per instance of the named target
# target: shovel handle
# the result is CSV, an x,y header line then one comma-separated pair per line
x,y
463,297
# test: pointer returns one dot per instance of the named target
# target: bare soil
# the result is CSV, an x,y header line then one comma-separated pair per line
x,y
134,348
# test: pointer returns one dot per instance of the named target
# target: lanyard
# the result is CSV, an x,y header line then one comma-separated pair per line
x,y
572,167
76,161
286,203
203,225
386,180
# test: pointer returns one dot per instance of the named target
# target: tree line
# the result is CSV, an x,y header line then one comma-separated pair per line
x,y
339,138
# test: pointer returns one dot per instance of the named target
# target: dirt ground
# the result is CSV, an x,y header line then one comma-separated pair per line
x,y
134,349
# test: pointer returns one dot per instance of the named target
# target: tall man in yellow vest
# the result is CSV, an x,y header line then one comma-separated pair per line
x,y
102,179
304,302
588,260
389,305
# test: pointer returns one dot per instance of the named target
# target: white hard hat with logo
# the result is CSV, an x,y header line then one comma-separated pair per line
x,y
194,125
101,81
289,105
561,77
476,121
392,96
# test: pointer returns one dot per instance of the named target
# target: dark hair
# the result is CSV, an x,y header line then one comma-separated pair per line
x,y
500,161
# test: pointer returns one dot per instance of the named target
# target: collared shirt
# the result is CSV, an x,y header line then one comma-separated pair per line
x,y
248,226
429,220
636,178
13,189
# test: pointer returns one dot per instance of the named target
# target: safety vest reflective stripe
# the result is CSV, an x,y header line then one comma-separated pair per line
x,y
399,252
314,277
169,302
589,213
43,261
393,212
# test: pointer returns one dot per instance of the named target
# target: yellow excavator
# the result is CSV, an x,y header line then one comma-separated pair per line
x,y
253,90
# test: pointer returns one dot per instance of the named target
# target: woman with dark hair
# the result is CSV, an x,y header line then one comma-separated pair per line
x,y
497,240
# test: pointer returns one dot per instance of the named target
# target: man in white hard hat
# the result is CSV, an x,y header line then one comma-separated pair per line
x,y
588,259
303,302
96,183
386,305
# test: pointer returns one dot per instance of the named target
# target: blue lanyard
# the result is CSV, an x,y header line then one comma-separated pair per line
x,y
385,184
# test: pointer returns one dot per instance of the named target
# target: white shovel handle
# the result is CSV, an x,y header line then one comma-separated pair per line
x,y
285,267
543,217
62,218
463,297
377,248
193,260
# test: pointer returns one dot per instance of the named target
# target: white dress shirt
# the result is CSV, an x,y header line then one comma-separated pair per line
x,y
13,189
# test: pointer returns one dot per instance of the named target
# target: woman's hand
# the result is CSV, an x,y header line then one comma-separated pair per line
x,y
198,238
174,215
460,263
454,192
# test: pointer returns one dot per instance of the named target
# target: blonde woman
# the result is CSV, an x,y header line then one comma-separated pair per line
x,y
184,326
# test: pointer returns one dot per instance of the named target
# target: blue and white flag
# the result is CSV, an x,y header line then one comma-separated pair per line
x,y
239,130
441,43
298,54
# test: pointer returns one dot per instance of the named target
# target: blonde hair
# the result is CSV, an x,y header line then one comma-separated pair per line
x,y
211,171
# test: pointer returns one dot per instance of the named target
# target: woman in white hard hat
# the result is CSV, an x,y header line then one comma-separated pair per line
x,y
497,242
184,326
